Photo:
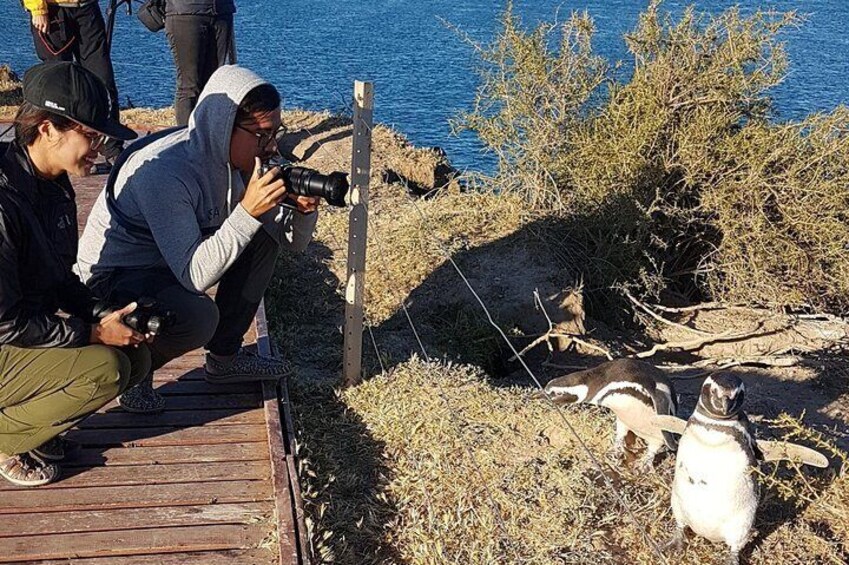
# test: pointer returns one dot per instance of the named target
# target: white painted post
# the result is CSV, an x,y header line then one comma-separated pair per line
x,y
357,231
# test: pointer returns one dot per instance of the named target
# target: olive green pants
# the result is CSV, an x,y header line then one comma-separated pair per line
x,y
43,392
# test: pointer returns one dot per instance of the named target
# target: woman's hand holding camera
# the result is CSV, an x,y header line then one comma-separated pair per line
x,y
112,331
263,193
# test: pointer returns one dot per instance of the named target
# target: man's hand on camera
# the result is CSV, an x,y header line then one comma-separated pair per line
x,y
263,193
306,204
112,331
40,23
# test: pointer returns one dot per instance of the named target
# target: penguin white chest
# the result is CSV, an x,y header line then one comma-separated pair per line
x,y
714,492
637,416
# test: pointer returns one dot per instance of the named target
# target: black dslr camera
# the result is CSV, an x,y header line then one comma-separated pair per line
x,y
148,317
302,181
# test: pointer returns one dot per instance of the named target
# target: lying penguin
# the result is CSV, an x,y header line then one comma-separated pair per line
x,y
714,491
634,390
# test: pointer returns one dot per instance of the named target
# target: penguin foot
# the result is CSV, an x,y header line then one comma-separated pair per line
x,y
617,451
676,544
733,558
646,463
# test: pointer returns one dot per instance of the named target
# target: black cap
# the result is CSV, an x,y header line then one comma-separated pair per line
x,y
67,89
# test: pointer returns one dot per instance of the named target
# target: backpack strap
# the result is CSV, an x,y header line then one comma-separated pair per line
x,y
134,229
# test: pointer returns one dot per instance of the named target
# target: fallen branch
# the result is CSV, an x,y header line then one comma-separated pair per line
x,y
663,320
692,344
586,344
702,306
559,366
553,332
706,366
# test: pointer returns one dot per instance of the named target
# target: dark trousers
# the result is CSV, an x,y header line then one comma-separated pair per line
x,y
78,34
199,44
218,325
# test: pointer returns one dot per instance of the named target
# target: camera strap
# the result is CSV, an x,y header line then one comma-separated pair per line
x,y
133,228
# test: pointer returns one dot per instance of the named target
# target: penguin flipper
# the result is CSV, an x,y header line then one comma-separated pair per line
x,y
669,423
664,405
780,450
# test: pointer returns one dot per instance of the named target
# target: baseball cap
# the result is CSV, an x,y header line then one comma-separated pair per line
x,y
67,89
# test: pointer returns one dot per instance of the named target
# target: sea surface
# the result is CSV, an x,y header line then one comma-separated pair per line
x,y
422,69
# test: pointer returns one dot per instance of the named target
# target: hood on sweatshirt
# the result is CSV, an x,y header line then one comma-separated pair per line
x,y
211,122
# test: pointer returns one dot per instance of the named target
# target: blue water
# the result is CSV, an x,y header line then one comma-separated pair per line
x,y
313,50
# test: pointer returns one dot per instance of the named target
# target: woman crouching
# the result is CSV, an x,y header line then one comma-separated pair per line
x,y
54,370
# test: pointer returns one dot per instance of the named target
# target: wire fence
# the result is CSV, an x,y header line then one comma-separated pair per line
x,y
601,466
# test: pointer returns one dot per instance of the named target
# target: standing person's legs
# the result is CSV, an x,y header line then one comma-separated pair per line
x,y
43,392
225,42
190,38
60,41
93,51
240,291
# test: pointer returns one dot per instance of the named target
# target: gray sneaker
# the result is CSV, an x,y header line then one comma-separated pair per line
x,y
142,399
246,367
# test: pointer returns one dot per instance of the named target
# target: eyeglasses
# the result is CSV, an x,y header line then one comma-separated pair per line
x,y
95,139
264,137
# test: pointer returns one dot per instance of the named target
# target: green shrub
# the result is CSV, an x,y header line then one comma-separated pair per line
x,y
676,179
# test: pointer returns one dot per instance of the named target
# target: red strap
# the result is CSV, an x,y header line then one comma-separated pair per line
x,y
60,51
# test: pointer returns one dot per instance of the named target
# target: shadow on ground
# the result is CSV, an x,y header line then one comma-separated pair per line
x,y
306,310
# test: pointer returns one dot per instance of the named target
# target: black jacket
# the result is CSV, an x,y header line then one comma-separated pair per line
x,y
38,246
199,7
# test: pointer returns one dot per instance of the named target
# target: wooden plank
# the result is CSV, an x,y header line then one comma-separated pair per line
x,y
121,419
207,402
227,557
169,374
133,518
117,456
288,547
357,232
183,387
103,498
132,437
294,483
130,542
77,477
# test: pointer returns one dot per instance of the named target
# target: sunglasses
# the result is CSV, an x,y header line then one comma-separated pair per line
x,y
263,137
96,140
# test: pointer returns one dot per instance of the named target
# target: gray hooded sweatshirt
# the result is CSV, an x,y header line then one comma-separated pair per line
x,y
184,190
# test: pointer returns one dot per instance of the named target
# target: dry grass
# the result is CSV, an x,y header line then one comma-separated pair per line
x,y
678,178
11,96
10,93
405,251
431,464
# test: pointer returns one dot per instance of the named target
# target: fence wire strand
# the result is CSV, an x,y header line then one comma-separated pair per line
x,y
452,412
600,466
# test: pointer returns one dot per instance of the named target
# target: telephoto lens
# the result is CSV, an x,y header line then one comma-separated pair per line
x,y
308,182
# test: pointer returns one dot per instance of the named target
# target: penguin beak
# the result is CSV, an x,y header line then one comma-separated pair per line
x,y
729,402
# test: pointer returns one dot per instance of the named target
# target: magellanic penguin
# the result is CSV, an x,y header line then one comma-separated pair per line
x,y
715,492
634,390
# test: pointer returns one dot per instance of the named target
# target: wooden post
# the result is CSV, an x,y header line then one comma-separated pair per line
x,y
357,232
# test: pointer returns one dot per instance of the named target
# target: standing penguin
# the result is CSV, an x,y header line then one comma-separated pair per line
x,y
636,391
714,491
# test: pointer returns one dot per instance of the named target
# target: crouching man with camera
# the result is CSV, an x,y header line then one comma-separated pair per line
x,y
186,209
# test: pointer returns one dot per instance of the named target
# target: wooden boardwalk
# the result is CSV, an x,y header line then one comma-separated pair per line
x,y
212,480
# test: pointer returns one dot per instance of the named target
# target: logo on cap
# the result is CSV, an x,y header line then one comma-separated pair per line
x,y
54,105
